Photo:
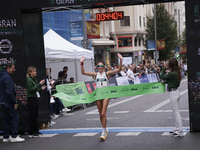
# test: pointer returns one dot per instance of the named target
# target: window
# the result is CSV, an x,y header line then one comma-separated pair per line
x,y
139,44
175,12
140,21
135,41
125,21
144,21
125,41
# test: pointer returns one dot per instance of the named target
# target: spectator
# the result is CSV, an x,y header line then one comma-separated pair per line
x,y
130,75
72,80
109,67
9,104
123,72
33,88
48,76
63,74
161,65
185,68
142,70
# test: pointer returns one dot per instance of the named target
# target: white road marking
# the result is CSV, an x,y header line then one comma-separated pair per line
x,y
121,112
154,108
93,112
170,111
85,134
107,118
48,135
68,114
128,134
166,133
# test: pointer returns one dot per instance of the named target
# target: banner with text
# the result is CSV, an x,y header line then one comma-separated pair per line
x,y
73,94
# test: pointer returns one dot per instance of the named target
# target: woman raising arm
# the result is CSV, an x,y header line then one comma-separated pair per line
x,y
101,78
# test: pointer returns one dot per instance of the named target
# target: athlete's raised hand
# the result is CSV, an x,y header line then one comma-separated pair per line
x,y
82,59
120,56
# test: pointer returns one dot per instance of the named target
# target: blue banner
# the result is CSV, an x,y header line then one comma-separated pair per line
x,y
150,45
76,30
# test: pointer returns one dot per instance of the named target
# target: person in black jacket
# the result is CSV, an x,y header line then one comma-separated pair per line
x,y
9,104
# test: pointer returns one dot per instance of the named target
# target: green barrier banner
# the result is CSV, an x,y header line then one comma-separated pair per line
x,y
73,94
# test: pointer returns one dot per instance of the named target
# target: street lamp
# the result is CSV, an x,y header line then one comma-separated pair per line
x,y
155,33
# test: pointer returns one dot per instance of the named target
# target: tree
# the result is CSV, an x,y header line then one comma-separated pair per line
x,y
183,43
166,29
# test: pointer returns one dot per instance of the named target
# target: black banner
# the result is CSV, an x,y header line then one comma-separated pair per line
x,y
21,42
193,61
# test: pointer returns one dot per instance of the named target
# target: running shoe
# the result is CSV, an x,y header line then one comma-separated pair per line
x,y
66,109
5,140
17,139
172,132
104,135
181,134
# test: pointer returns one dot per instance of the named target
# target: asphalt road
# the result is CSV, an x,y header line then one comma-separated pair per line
x,y
134,123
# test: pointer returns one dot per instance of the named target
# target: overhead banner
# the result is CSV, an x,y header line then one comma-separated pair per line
x,y
161,44
93,29
67,93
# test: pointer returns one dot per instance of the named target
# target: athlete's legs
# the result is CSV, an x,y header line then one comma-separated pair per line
x,y
99,106
102,107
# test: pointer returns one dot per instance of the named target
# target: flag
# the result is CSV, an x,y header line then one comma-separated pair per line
x,y
183,49
93,29
161,44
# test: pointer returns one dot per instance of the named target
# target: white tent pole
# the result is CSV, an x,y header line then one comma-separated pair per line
x,y
48,68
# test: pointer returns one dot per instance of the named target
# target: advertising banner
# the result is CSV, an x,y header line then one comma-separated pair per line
x,y
151,45
105,92
86,92
76,30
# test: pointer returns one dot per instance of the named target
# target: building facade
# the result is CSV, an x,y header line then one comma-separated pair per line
x,y
129,33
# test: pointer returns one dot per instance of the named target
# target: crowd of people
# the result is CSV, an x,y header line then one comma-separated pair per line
x,y
33,88
56,107
170,72
132,70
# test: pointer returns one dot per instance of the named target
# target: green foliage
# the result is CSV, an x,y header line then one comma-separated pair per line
x,y
166,29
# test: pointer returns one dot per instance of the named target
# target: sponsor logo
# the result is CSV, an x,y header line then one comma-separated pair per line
x,y
125,90
5,46
8,23
113,91
84,99
155,87
60,2
134,89
79,91
145,88
69,93
104,92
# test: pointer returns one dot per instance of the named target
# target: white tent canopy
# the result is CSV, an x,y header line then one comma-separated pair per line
x,y
59,53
